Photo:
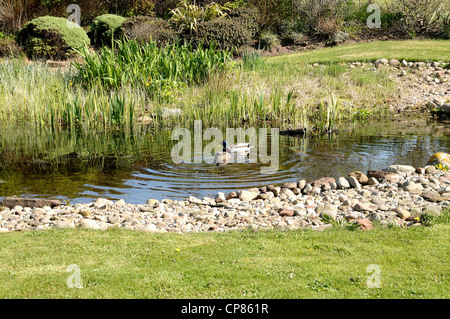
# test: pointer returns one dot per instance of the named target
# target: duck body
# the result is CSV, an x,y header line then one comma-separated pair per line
x,y
222,158
239,149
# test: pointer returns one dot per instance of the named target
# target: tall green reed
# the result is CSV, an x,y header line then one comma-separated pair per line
x,y
37,96
328,115
157,70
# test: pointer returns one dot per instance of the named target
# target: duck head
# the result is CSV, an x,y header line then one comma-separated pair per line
x,y
224,145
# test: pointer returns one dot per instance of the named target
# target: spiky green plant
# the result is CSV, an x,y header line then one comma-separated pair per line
x,y
445,20
157,70
328,115
187,16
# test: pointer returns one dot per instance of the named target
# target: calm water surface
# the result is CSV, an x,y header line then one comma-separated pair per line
x,y
137,165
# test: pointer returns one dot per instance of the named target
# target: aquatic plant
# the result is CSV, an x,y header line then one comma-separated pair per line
x,y
154,69
328,115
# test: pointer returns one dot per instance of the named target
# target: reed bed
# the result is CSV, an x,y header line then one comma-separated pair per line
x,y
157,70
116,86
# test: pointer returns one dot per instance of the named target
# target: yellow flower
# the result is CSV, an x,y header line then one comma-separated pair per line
x,y
177,250
147,84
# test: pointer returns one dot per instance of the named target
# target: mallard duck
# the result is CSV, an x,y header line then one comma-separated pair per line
x,y
240,149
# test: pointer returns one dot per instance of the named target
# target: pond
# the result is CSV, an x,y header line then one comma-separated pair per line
x,y
138,164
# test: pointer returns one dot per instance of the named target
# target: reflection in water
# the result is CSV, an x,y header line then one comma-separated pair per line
x,y
137,165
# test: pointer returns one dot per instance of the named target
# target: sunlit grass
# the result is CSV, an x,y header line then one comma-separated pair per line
x,y
108,90
410,50
240,264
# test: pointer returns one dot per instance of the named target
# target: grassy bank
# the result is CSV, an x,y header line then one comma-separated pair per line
x,y
286,91
409,50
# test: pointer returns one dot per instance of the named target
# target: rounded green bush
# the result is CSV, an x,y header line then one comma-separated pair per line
x,y
105,28
248,17
51,37
144,29
224,33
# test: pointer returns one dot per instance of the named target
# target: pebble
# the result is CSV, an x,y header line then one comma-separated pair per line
x,y
354,182
402,213
365,207
342,182
360,177
291,206
400,169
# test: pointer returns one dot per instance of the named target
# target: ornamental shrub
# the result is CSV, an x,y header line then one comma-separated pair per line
x,y
144,29
51,38
224,33
248,17
106,28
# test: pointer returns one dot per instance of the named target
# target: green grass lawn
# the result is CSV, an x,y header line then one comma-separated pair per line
x,y
414,263
409,50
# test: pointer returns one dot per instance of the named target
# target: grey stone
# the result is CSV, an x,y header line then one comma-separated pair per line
x,y
342,182
13,201
354,182
246,196
88,224
400,169
301,184
152,202
365,207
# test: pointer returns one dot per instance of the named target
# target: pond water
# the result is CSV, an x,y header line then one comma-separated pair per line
x,y
137,165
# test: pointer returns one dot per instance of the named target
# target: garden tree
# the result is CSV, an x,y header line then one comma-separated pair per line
x,y
418,16
14,13
273,12
225,27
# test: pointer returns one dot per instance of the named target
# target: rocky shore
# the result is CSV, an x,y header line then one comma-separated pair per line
x,y
397,195
421,85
